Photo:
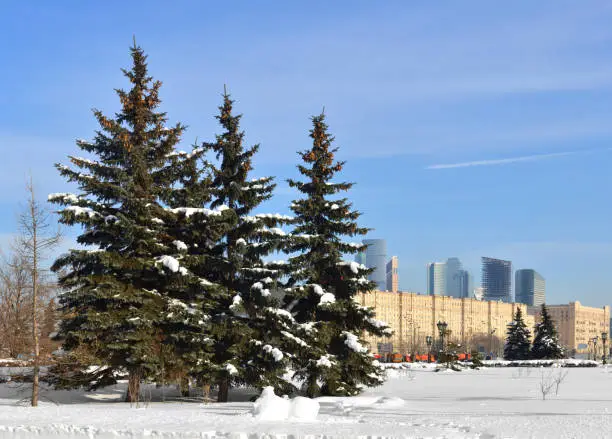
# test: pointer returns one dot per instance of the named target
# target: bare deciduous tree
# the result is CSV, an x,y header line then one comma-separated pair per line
x,y
15,306
559,378
33,244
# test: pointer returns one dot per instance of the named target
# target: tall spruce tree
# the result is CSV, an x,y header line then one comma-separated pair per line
x,y
517,341
546,341
250,331
112,302
188,232
324,286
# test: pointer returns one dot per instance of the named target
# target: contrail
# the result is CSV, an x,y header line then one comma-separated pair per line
x,y
527,158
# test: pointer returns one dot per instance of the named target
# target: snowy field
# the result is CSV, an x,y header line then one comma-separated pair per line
x,y
419,403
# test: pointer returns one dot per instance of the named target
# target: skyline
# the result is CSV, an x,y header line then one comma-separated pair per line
x,y
487,135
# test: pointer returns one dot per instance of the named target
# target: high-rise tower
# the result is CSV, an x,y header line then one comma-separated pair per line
x,y
376,258
529,287
497,279
454,277
436,278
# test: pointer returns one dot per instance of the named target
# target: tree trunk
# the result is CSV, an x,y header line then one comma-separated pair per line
x,y
35,378
133,391
205,392
223,390
185,386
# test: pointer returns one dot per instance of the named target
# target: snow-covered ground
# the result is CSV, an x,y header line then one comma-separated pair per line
x,y
488,403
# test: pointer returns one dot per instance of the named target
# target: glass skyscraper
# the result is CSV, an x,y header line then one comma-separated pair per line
x,y
497,279
376,258
436,279
454,275
529,287
448,279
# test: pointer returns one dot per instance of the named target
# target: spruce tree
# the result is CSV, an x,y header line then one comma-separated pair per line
x,y
323,286
250,332
546,342
517,341
188,230
112,301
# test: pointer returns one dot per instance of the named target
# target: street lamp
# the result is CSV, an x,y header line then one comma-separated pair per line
x,y
429,341
491,342
595,347
442,330
604,338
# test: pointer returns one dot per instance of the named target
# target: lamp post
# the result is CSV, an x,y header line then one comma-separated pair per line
x,y
429,341
604,338
442,330
595,347
491,341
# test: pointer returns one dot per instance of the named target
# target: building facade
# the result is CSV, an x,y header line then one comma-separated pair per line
x,y
392,274
497,279
529,287
436,279
376,259
476,325
577,325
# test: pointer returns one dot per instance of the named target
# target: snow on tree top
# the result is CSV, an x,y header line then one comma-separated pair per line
x,y
355,266
354,244
236,301
276,353
318,289
78,211
178,303
294,338
332,206
241,241
83,142
325,361
281,312
172,264
352,341
84,160
188,211
205,282
180,245
327,298
275,231
231,369
258,286
63,196
274,216
184,153
279,262
306,236
308,326
380,324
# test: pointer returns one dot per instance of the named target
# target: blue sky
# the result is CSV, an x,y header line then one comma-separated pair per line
x,y
514,99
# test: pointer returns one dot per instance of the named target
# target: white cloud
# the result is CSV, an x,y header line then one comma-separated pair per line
x,y
528,158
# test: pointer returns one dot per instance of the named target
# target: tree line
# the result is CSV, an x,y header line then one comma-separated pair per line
x,y
176,281
545,342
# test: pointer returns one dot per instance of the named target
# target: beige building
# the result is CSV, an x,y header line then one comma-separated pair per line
x,y
577,325
476,325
